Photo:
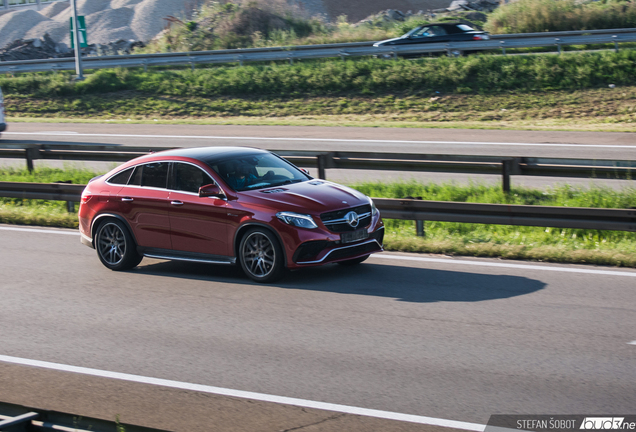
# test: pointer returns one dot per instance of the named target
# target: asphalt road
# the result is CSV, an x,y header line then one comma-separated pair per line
x,y
585,145
453,339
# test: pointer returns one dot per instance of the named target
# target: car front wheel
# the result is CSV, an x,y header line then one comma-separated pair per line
x,y
115,246
261,256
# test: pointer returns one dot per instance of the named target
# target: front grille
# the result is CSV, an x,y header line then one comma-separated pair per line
x,y
334,223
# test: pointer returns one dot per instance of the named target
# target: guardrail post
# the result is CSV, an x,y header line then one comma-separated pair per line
x,y
32,153
419,223
506,170
615,43
558,44
503,47
322,165
70,206
6,4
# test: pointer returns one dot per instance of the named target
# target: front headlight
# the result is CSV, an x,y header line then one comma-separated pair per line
x,y
374,210
297,219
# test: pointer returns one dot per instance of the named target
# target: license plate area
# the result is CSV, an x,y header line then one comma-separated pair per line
x,y
353,236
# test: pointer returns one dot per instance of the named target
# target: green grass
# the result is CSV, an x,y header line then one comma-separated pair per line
x,y
41,212
530,16
513,242
481,74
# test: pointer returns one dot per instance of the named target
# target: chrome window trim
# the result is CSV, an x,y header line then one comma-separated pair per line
x,y
166,188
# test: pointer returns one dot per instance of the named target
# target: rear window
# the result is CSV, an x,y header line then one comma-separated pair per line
x,y
465,28
121,178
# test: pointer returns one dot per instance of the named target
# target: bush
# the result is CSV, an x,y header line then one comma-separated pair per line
x,y
531,16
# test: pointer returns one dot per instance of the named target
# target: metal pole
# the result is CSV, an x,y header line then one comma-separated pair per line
x,y
78,53
39,3
6,4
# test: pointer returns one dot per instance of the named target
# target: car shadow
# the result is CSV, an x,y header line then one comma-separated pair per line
x,y
406,284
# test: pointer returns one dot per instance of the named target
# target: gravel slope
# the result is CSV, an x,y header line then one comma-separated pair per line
x,y
110,20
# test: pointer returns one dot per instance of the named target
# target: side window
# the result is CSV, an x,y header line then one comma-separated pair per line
x,y
189,178
121,178
155,175
135,180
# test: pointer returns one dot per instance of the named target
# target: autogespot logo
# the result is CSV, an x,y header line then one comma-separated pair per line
x,y
602,423
352,219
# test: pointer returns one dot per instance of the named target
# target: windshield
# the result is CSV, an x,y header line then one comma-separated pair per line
x,y
411,32
257,172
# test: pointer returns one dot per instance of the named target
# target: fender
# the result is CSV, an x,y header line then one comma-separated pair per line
x,y
245,226
115,216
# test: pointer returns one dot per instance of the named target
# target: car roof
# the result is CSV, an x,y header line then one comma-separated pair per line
x,y
209,155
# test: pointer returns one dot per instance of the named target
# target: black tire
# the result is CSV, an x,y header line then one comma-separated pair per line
x,y
115,246
354,261
261,256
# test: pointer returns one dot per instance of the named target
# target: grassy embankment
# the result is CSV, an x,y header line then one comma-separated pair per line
x,y
570,92
545,244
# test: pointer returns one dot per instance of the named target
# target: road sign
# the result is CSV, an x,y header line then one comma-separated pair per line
x,y
81,34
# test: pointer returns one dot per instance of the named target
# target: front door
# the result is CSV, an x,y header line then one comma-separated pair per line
x,y
198,224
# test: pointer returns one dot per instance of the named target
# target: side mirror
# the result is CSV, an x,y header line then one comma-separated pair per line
x,y
306,171
211,190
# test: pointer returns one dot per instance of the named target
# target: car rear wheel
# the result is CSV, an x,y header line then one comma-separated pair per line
x,y
261,256
115,246
354,261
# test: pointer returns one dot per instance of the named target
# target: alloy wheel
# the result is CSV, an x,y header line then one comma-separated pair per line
x,y
111,244
258,254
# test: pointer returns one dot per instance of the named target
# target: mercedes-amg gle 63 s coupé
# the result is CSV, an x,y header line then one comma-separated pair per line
x,y
225,205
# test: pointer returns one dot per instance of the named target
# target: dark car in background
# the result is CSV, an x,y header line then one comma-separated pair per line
x,y
436,33
226,205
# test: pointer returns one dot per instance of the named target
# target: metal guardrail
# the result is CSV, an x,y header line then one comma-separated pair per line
x,y
18,418
501,42
498,165
418,210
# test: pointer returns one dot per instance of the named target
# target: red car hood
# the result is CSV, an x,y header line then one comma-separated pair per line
x,y
313,196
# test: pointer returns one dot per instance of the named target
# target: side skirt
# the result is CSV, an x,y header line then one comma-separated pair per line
x,y
169,254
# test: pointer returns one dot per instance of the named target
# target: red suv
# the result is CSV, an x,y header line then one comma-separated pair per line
x,y
223,204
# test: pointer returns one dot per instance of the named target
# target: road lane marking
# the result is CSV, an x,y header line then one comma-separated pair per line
x,y
449,261
247,395
632,343
362,141
36,230
505,265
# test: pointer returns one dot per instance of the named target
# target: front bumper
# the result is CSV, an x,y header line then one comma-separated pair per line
x,y
319,252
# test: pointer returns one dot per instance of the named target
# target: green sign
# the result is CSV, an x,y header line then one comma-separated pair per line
x,y
81,34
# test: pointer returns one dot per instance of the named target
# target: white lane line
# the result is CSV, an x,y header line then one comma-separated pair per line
x,y
450,261
363,141
631,343
44,231
247,395
505,265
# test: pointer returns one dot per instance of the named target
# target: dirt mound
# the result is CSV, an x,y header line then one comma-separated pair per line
x,y
355,10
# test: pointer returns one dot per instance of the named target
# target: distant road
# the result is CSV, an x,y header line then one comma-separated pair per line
x,y
587,145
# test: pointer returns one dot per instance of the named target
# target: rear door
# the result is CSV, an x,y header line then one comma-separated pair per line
x,y
198,224
145,205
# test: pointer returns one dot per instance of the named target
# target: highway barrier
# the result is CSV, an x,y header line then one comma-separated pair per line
x,y
414,209
498,165
342,50
18,418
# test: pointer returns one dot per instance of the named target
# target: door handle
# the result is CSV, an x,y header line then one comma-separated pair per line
x,y
127,199
176,203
